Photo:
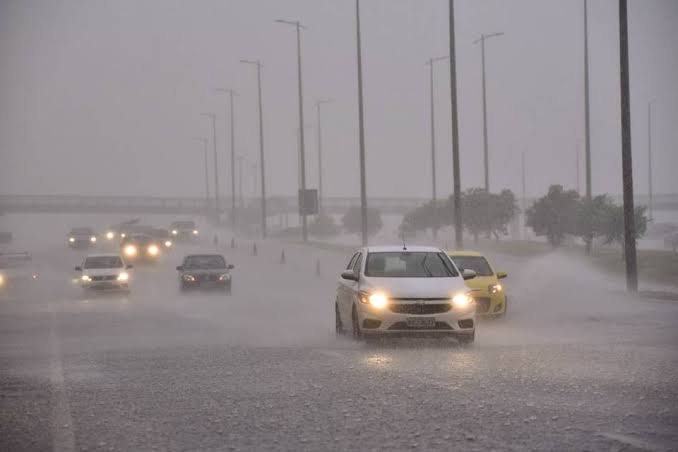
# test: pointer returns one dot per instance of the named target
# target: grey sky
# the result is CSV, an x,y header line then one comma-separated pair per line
x,y
104,97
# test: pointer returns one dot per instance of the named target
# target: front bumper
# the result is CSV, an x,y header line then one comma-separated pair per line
x,y
489,305
440,321
105,285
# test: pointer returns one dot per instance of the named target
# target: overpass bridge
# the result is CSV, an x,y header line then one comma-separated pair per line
x,y
198,206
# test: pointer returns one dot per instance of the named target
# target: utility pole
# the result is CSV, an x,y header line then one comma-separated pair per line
x,y
587,114
482,39
577,159
213,116
627,164
458,230
207,183
240,195
649,161
361,130
320,153
258,65
434,196
231,94
302,212
524,200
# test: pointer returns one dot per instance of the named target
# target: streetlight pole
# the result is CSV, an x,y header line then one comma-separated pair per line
x,y
240,195
524,200
258,65
482,39
434,196
627,164
207,184
302,212
458,229
231,93
649,160
587,114
361,131
318,103
213,116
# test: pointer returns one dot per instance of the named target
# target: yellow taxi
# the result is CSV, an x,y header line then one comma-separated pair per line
x,y
487,291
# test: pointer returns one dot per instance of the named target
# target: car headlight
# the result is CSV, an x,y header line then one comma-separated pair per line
x,y
93,239
130,250
168,243
85,278
110,235
71,239
123,235
124,276
377,300
189,278
2,280
461,301
153,250
195,232
174,232
225,277
495,288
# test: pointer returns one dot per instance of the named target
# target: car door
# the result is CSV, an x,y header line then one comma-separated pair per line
x,y
344,293
353,287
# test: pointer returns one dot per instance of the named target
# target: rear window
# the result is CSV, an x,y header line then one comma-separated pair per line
x,y
95,262
406,264
476,263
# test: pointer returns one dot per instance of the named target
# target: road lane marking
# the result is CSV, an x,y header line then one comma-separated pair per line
x,y
63,439
630,441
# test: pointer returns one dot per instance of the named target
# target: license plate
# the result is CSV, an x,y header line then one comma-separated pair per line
x,y
421,322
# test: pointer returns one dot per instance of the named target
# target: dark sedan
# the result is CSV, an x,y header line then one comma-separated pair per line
x,y
208,271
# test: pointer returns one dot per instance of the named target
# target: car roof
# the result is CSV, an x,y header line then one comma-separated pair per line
x,y
465,253
203,255
102,255
399,248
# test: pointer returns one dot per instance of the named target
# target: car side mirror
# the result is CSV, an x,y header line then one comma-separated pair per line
x,y
468,274
78,269
230,266
129,266
501,275
180,268
349,275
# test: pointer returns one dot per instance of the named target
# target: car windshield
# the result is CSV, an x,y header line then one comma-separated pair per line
x,y
405,264
82,231
95,262
476,263
204,262
184,225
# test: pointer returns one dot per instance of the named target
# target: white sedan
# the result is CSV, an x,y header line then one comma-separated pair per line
x,y
102,272
397,290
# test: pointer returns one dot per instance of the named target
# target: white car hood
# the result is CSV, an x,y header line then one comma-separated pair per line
x,y
102,271
415,287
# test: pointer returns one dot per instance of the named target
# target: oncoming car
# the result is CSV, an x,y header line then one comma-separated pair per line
x,y
206,271
82,238
387,291
141,247
487,291
103,272
185,230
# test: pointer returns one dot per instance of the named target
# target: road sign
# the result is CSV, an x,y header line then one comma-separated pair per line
x,y
308,202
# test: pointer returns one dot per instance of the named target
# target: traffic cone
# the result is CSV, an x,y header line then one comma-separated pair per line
x,y
254,249
282,257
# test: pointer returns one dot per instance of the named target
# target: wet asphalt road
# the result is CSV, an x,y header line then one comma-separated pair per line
x,y
577,365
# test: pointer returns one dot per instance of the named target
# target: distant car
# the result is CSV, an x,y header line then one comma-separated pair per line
x,y
488,293
103,272
82,237
163,236
206,271
141,247
17,270
183,230
396,291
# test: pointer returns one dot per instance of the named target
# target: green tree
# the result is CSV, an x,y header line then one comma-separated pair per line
x,y
426,216
323,226
592,218
554,215
352,221
614,224
487,213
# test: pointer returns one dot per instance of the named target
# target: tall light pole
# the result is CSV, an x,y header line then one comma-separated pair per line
x,y
587,114
577,163
627,163
458,229
231,93
207,183
481,40
262,165
240,195
524,189
216,164
318,103
302,212
649,160
434,196
361,129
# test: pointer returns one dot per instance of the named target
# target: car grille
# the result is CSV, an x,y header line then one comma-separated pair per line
x,y
103,278
419,308
403,326
207,278
482,304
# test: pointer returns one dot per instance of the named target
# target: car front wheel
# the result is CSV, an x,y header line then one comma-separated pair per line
x,y
355,327
338,327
